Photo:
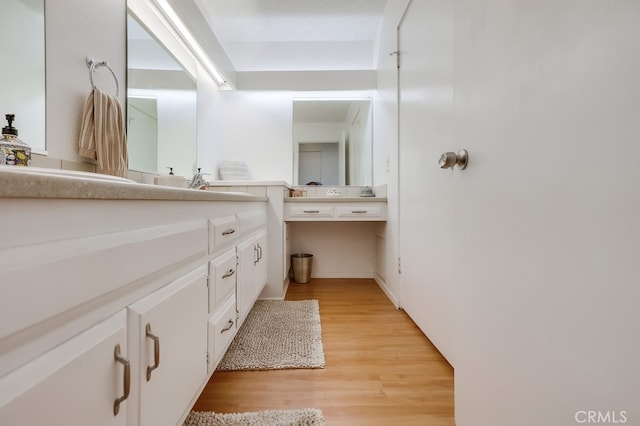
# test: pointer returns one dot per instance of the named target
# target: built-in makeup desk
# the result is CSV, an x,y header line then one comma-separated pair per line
x,y
335,209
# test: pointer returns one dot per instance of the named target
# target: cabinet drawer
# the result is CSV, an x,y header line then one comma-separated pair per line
x,y
360,211
222,231
310,211
222,329
222,278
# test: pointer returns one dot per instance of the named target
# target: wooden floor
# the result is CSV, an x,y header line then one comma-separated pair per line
x,y
380,368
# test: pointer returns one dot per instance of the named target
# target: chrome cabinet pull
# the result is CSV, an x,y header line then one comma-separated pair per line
x,y
156,351
311,211
259,252
257,257
228,274
228,231
126,380
228,327
358,211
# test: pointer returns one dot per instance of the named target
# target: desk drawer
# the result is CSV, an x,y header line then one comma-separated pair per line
x,y
310,211
335,210
360,211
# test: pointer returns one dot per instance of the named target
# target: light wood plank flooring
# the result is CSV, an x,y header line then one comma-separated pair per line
x,y
380,368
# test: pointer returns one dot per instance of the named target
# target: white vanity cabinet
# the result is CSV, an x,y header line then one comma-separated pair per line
x,y
76,383
236,278
131,274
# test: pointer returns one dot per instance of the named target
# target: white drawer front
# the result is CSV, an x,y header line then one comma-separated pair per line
x,y
222,329
360,211
222,278
222,232
337,210
310,211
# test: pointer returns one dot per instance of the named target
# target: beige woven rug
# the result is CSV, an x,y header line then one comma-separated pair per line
x,y
303,417
277,334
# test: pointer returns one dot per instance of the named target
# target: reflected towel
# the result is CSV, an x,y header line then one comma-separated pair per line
x,y
102,135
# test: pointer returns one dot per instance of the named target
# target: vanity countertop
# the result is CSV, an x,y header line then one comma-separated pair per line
x,y
215,183
33,182
335,199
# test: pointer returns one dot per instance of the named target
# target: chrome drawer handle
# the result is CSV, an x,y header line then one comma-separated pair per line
x,y
228,274
311,211
156,351
228,231
358,211
228,327
126,380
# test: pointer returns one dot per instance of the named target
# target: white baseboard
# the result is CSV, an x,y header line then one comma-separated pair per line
x,y
383,287
344,275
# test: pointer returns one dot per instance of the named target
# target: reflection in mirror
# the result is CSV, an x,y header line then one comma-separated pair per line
x,y
161,106
22,74
333,141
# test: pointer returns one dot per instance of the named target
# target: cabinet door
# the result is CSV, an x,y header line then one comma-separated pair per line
x,y
261,266
168,340
247,261
77,383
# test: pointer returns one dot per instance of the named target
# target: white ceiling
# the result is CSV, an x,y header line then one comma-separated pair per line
x,y
296,35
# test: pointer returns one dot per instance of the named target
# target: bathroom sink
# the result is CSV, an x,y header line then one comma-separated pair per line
x,y
64,173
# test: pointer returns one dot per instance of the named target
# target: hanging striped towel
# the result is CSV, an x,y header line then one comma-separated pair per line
x,y
102,135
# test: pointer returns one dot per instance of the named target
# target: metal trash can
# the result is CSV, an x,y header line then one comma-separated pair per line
x,y
301,264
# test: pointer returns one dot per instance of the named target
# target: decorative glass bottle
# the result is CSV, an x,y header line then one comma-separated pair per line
x,y
13,151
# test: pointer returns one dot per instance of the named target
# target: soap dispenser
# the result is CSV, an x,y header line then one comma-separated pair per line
x,y
13,151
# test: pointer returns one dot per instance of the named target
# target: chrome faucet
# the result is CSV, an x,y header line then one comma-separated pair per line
x,y
198,180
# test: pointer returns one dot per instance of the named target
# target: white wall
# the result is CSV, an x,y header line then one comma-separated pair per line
x,y
385,140
76,29
210,144
257,127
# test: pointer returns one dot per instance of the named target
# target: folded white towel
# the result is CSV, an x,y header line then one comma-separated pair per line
x,y
102,134
233,170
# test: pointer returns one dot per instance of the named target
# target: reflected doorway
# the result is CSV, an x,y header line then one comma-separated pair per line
x,y
319,162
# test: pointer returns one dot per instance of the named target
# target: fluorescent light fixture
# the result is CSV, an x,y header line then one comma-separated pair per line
x,y
190,40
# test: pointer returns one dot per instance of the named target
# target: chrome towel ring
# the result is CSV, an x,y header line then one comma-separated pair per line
x,y
94,65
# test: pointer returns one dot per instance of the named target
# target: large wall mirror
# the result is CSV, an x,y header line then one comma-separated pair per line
x,y
161,97
22,74
333,141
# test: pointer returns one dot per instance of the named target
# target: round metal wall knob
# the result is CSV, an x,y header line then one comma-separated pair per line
x,y
450,159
